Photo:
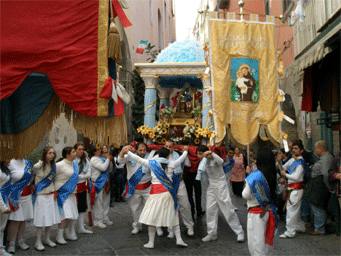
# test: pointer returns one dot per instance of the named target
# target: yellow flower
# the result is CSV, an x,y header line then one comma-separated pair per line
x,y
197,125
187,122
151,135
197,141
197,136
163,141
164,131
167,125
159,141
159,126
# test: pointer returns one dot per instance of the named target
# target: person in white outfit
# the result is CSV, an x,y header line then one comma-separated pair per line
x,y
142,182
46,211
84,174
100,190
182,197
5,185
161,208
65,184
217,195
227,166
296,168
20,201
259,191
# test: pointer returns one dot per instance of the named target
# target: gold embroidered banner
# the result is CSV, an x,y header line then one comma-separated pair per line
x,y
244,77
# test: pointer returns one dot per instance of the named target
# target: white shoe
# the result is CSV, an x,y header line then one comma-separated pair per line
x,y
149,245
190,232
301,231
180,242
11,247
50,243
100,225
108,222
170,235
135,231
209,238
84,231
4,253
240,238
60,237
39,247
71,237
159,231
285,235
22,245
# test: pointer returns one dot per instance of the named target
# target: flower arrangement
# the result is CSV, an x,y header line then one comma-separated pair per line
x,y
166,111
204,133
190,134
157,134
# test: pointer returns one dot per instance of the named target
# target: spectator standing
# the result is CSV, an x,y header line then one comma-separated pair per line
x,y
238,173
318,187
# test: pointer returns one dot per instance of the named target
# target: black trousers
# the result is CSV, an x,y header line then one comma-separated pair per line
x,y
119,182
81,201
191,182
237,188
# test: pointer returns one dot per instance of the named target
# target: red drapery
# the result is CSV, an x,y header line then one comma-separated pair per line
x,y
58,38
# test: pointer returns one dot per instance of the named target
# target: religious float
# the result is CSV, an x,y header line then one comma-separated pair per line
x,y
228,86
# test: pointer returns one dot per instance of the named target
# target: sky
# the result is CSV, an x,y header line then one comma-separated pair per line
x,y
185,14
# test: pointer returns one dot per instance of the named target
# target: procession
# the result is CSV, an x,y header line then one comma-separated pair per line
x,y
224,142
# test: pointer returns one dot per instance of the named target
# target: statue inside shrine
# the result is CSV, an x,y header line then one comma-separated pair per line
x,y
184,109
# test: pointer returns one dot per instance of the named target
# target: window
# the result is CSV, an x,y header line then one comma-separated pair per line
x,y
287,6
267,7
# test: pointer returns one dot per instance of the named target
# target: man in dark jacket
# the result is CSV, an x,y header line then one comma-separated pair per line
x,y
318,187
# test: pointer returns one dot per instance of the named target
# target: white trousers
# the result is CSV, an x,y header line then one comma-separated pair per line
x,y
219,197
293,219
228,180
3,222
137,202
256,227
101,208
184,206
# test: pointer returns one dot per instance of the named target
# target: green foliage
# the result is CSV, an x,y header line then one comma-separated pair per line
x,y
35,156
138,106
153,53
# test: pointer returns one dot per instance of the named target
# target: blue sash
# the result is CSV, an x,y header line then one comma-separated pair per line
x,y
6,190
44,183
260,189
179,169
229,166
64,192
101,180
129,188
172,187
19,186
293,166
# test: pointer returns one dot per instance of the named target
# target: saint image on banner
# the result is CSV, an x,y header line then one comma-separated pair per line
x,y
244,80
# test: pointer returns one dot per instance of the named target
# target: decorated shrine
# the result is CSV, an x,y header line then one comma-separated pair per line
x,y
181,78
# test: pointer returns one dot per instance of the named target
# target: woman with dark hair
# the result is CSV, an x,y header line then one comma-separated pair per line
x,y
161,208
238,173
20,201
260,192
65,183
99,187
84,174
45,207
5,184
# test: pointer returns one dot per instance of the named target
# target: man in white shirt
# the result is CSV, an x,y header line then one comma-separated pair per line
x,y
182,197
217,195
296,168
142,189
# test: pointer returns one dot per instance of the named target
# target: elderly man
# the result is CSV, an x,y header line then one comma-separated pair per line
x,y
318,187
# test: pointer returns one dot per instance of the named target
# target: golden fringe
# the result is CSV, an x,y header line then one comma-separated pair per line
x,y
102,130
20,145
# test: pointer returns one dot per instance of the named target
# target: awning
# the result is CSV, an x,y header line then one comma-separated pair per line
x,y
316,52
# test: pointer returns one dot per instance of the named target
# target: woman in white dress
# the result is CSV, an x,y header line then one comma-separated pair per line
x,y
20,201
45,206
65,184
4,208
159,210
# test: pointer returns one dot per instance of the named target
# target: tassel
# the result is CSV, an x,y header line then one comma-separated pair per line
x,y
114,43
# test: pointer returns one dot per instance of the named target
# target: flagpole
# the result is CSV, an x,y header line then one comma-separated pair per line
x,y
248,155
241,4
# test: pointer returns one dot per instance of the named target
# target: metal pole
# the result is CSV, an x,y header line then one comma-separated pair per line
x,y
248,155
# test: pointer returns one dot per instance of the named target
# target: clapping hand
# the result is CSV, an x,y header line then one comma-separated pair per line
x,y
185,148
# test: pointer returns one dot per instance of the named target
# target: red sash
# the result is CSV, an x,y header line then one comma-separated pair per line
x,y
270,227
81,187
54,194
143,186
26,191
297,185
158,189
